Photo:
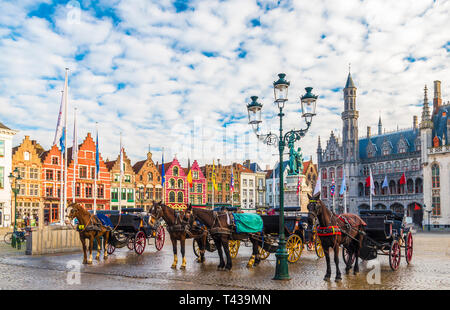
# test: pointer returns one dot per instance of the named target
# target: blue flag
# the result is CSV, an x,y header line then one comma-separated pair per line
x,y
97,161
61,140
343,186
385,182
163,178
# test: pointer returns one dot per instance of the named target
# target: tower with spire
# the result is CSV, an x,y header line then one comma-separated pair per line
x,y
350,123
426,127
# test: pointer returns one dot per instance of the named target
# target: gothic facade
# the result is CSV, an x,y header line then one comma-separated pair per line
x,y
388,155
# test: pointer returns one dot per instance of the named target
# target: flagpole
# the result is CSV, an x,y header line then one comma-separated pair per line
x,y
95,174
65,147
74,154
120,176
61,198
345,201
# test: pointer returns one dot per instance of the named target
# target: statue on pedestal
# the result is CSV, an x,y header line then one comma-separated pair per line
x,y
295,159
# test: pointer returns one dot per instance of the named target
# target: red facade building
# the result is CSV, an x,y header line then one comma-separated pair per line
x,y
175,188
197,192
51,183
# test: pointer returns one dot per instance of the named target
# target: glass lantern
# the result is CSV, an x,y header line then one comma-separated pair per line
x,y
254,111
308,101
280,89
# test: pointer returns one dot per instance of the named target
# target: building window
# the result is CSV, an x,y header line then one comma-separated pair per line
x,y
2,148
419,186
172,197
436,204
34,173
339,172
324,174
82,172
324,192
180,184
49,191
77,190
172,183
158,193
100,191
199,188
55,160
397,166
92,173
180,197
49,174
2,177
150,177
88,190
435,179
175,171
332,173
195,175
127,178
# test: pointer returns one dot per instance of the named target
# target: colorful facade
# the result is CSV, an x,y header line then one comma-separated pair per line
x,y
197,192
175,187
51,184
127,186
224,192
85,175
26,158
148,186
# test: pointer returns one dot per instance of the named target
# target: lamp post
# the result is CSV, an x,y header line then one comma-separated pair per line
x,y
429,210
308,106
14,180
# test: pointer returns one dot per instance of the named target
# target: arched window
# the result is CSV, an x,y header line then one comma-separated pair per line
x,y
180,197
332,173
172,183
380,168
435,179
175,171
324,174
388,167
392,187
397,166
419,186
180,184
172,197
339,172
410,186
414,164
400,188
377,188
150,176
360,189
405,165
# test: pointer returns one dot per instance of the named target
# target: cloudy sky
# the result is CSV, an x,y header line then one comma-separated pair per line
x,y
177,74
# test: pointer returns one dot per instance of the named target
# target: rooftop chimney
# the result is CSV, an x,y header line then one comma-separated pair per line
x,y
368,132
437,99
415,121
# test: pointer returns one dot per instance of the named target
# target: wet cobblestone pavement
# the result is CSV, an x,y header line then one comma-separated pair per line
x,y
430,269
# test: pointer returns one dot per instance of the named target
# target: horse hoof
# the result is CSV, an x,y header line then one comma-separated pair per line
x,y
355,272
182,267
89,262
85,262
338,279
326,278
173,267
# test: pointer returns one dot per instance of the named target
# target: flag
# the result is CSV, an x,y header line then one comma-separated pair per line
x,y
385,182
163,178
61,141
59,134
214,176
299,184
333,186
232,180
370,183
121,157
189,178
343,186
97,158
75,140
416,207
318,186
402,179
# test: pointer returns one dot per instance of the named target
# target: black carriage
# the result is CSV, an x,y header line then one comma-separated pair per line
x,y
133,228
385,234
296,232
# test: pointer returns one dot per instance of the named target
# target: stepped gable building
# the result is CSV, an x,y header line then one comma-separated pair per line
x,y
85,176
223,193
175,188
435,155
26,158
197,192
128,183
387,154
6,210
51,183
148,182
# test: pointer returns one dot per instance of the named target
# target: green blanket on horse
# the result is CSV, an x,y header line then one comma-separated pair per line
x,y
248,222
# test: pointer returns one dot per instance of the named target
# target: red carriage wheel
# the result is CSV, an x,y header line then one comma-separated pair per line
x,y
394,255
139,242
130,243
110,248
409,247
160,237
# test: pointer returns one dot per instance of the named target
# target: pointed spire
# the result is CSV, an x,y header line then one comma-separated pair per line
x,y
380,126
319,146
349,83
426,118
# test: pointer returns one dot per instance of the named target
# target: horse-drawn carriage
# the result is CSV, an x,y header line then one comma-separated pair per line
x,y
134,228
297,231
385,234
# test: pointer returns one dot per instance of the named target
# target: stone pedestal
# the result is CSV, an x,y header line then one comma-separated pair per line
x,y
291,198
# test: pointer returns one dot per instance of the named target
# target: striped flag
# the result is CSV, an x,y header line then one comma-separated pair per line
x,y
59,134
232,180
333,187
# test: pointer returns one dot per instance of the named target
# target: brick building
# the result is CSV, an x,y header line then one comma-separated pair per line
x,y
147,182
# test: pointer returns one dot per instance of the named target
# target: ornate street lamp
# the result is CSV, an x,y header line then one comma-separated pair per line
x,y
308,106
14,180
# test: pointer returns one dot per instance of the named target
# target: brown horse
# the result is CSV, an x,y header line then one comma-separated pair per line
x,y
222,231
89,227
179,229
334,230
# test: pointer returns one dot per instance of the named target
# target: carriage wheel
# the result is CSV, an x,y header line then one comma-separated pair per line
x,y
348,258
196,248
110,248
139,242
130,243
395,255
409,247
294,246
234,245
160,238
263,254
318,247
